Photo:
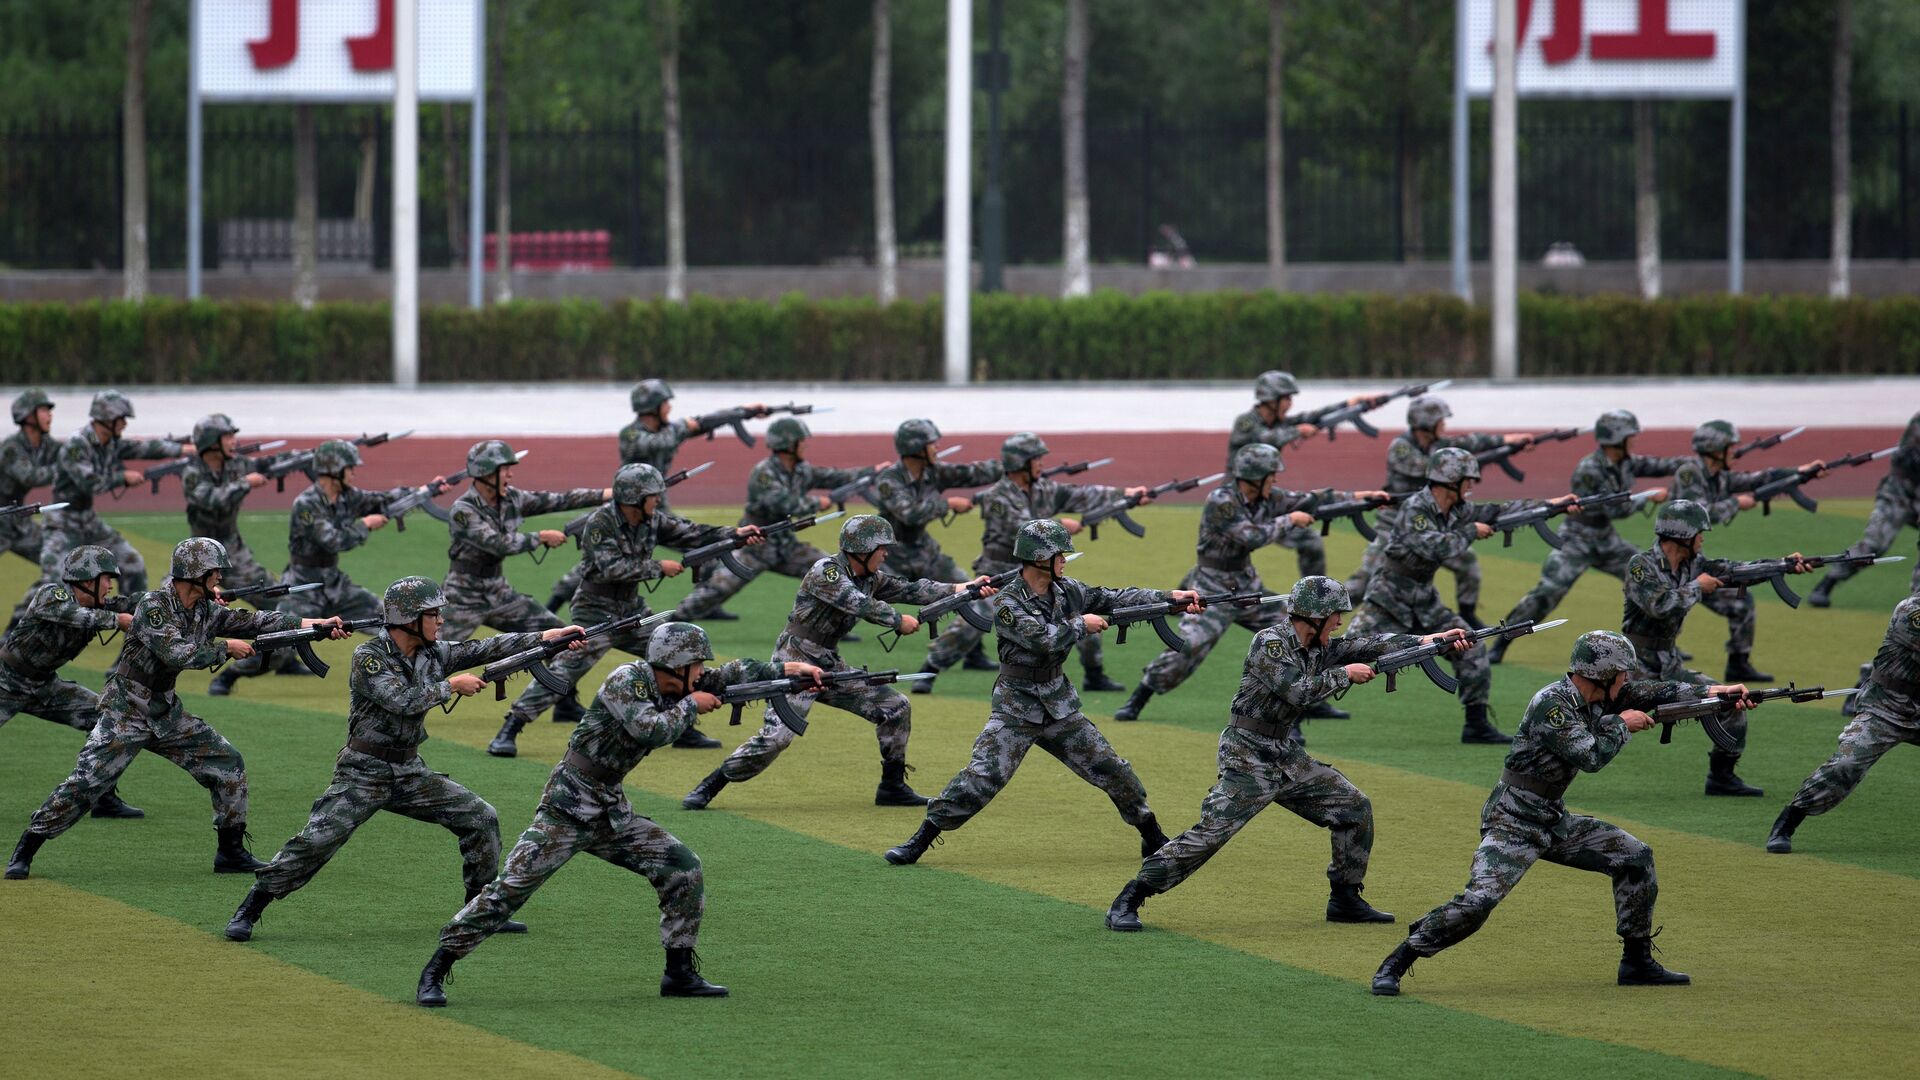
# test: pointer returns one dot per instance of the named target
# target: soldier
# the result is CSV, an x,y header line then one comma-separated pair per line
x,y
397,678
1022,495
1589,537
616,552
216,482
174,629
1407,473
1663,583
1038,620
92,463
640,708
1572,726
1886,713
837,592
56,624
1268,423
1896,503
1289,667
1247,513
28,459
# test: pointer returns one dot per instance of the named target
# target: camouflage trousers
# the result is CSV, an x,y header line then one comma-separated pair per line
x,y
125,728
1465,570
566,587
1586,548
882,706
1398,605
362,787
1256,771
1004,743
57,700
23,536
624,839
1862,743
1508,846
782,555
473,602
69,529
1203,631
1737,608
574,664
1890,514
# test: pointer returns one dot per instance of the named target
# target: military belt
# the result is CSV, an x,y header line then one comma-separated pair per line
x,y
609,590
325,560
480,568
1230,566
160,682
393,755
592,770
1646,646
1269,728
998,554
1045,673
1546,789
18,665
818,637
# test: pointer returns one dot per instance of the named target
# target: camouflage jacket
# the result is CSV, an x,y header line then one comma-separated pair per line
x,y
1422,538
1902,481
911,505
1040,631
1282,679
89,467
1562,736
1248,429
1232,528
628,720
168,637
1658,598
776,493
24,466
832,600
390,694
615,553
1718,491
1407,463
214,498
1006,506
1892,688
638,446
1595,475
54,630
484,532
319,527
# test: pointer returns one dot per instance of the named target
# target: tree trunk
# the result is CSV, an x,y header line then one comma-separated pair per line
x,y
1839,277
886,255
1413,231
450,182
1646,201
668,20
1076,279
134,152
306,210
369,174
503,167
1276,148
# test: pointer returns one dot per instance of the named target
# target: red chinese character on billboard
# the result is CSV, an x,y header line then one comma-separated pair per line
x,y
1653,37
372,52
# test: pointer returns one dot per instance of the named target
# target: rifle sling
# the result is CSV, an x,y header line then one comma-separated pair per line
x,y
593,770
1546,789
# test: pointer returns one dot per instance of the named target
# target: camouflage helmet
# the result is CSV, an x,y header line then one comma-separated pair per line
x,y
1274,385
1615,427
335,456
1681,519
864,532
1020,449
785,434
409,598
210,429
489,456
25,404
915,436
1601,654
1451,465
678,645
1426,411
197,556
649,394
110,405
1714,437
1318,597
1256,461
1040,540
635,482
88,561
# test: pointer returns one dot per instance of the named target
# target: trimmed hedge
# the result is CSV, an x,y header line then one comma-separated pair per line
x,y
1107,336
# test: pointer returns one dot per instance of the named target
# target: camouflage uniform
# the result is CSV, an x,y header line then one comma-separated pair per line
x,y
1248,430
88,468
774,494
484,533
1896,504
638,446
1718,489
213,510
23,467
1407,472
318,531
1657,601
1886,714
53,630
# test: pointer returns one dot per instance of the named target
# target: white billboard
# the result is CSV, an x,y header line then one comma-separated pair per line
x,y
1612,48
329,50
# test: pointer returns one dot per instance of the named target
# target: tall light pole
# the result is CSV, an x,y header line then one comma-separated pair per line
x,y
406,193
1506,183
959,193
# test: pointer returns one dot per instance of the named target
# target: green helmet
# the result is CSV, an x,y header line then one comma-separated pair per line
x,y
1256,462
678,645
198,556
1615,427
1601,654
864,532
335,456
1426,411
785,434
1020,449
24,405
1040,540
1714,437
1451,465
110,405
633,483
88,561
1274,385
1318,597
1681,519
915,436
489,456
649,395
210,429
409,598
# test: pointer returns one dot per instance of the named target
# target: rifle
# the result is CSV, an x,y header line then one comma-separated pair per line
x,y
579,525
534,660
735,418
1354,412
724,549
1774,571
1118,511
421,498
846,492
1502,455
1712,712
179,465
1514,520
1424,654
301,641
29,509
1789,485
1071,469
774,691
962,601
1768,442
256,593
302,460
1156,613
1352,510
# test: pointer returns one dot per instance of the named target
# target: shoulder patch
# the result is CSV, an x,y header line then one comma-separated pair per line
x,y
370,663
831,573
306,517
1006,616
1422,523
1275,650
155,617
461,517
597,535
1913,620
1639,571
1556,716
61,594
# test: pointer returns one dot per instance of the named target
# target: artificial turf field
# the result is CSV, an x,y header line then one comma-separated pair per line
x,y
989,958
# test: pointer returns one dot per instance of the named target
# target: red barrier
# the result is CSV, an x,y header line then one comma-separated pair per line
x,y
569,251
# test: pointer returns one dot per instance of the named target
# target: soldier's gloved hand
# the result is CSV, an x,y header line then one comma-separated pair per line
x,y
671,567
576,632
1636,720
465,684
703,701
239,650
1359,673
795,669
909,624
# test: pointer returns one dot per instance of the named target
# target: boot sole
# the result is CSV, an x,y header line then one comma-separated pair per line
x,y
1655,982
232,869
900,860
1386,991
491,752
1357,920
236,935
1750,793
118,815
689,804
895,800
1779,847
1124,929
693,993
430,1004
21,876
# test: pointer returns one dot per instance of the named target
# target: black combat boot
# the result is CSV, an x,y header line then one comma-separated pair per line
x,y
1721,779
511,926
917,844
240,927
1468,614
21,864
232,857
503,744
1480,730
703,792
1639,968
1325,710
560,596
111,805
1780,840
924,686
682,977
433,980
1822,594
719,615
1741,670
977,660
1345,905
1386,981
695,739
893,789
567,710
1124,915
1151,838
1135,702
1096,681
222,683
